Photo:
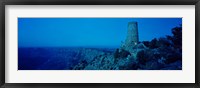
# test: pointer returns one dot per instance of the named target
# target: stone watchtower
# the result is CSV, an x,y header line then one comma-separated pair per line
x,y
132,35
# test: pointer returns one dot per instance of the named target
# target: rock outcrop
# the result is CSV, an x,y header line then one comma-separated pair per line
x,y
161,54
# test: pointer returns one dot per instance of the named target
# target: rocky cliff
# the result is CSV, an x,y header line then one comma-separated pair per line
x,y
162,54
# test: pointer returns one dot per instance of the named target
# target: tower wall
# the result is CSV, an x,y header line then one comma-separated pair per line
x,y
132,35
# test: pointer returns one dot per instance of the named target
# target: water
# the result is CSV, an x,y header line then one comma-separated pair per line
x,y
55,58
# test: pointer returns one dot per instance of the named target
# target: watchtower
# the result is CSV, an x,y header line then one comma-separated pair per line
x,y
132,35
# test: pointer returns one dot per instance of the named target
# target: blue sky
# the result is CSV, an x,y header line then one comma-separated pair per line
x,y
88,32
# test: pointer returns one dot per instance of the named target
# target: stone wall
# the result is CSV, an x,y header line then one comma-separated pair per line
x,y
132,36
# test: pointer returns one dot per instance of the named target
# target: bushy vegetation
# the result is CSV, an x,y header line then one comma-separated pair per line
x,y
116,53
162,52
175,40
121,54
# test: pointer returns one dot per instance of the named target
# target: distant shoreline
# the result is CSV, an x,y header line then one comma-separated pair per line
x,y
72,47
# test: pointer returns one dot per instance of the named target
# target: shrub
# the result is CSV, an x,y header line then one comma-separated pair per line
x,y
163,42
142,57
116,53
153,44
177,37
123,53
146,43
173,57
